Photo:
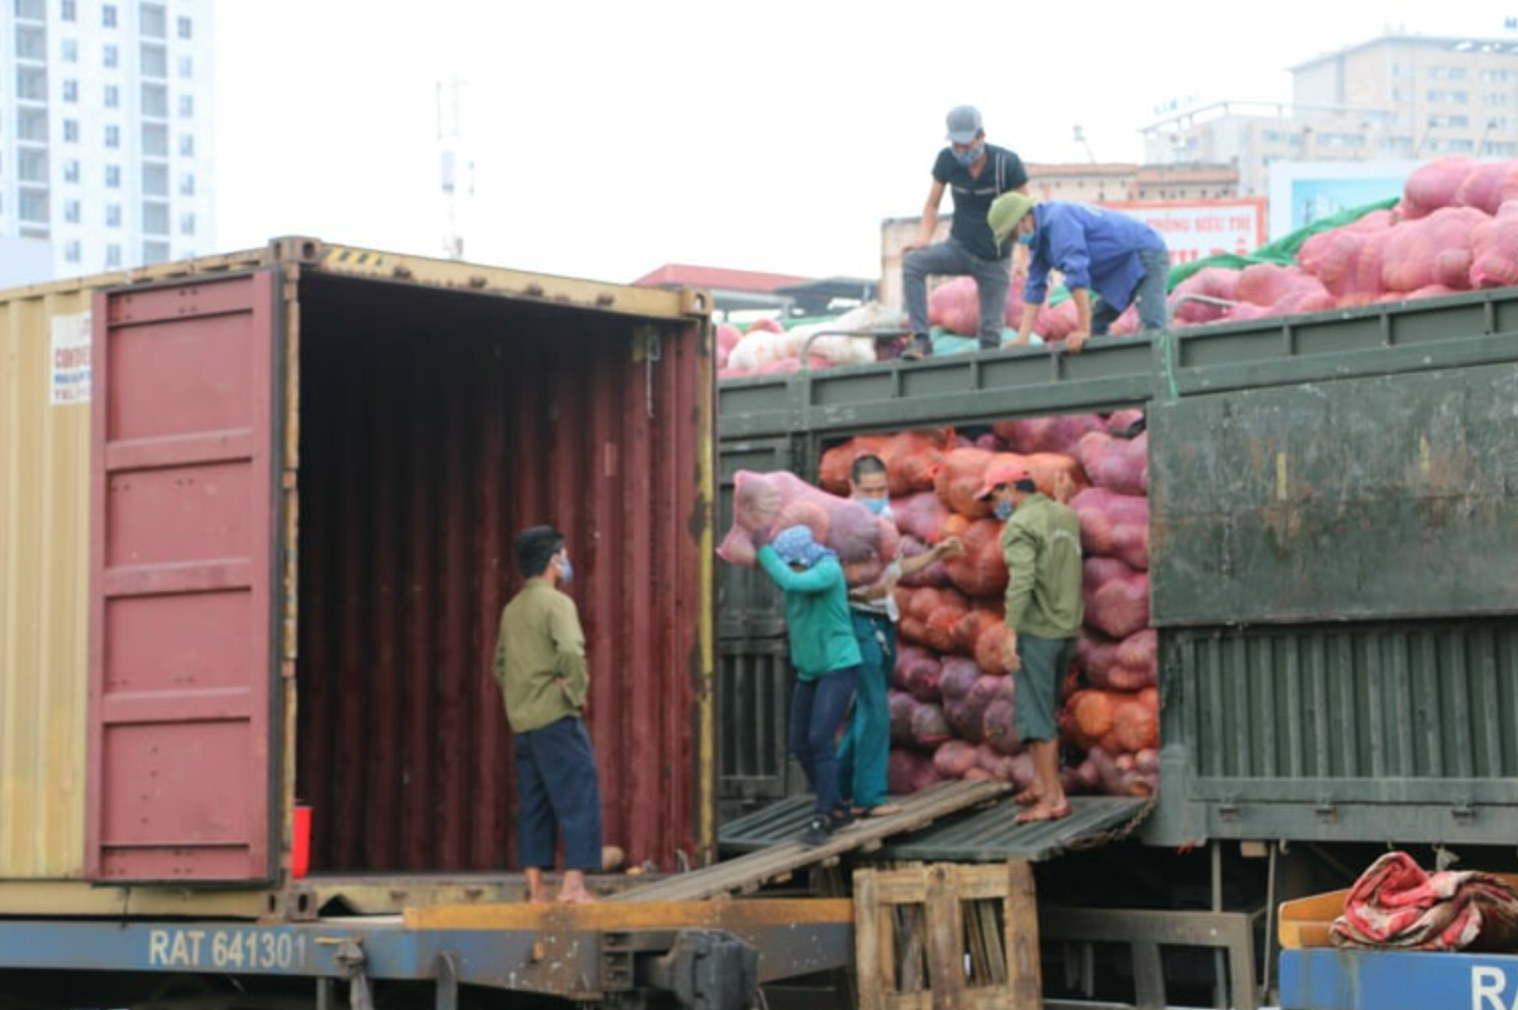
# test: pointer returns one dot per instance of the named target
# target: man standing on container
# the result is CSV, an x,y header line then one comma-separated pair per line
x,y
540,665
976,173
1041,542
865,754
1120,257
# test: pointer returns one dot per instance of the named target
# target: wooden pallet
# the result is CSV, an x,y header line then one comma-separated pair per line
x,y
747,874
946,936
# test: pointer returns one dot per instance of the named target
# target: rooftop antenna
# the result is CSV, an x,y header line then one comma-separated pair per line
x,y
1080,138
455,163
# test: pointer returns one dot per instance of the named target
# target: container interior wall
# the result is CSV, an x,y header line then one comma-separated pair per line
x,y
44,581
434,425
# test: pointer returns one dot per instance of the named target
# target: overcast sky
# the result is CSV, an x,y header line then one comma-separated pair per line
x,y
610,138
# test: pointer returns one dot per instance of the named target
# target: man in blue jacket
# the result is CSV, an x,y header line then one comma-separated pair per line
x,y
1122,259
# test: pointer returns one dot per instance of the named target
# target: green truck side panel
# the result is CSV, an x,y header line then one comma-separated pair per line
x,y
1379,497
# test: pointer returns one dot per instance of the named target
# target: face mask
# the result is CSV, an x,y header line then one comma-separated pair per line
x,y
1003,510
566,572
1025,239
875,505
968,158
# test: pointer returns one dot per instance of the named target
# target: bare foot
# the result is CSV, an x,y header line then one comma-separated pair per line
x,y
1042,811
540,898
1027,797
577,897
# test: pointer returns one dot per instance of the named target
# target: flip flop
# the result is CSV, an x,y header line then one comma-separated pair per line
x,y
1039,812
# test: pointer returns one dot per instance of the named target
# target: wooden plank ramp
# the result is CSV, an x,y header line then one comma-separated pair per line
x,y
748,873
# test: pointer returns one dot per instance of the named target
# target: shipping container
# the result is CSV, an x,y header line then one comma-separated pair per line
x,y
1333,538
256,521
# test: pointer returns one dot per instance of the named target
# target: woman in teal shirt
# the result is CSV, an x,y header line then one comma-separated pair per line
x,y
826,657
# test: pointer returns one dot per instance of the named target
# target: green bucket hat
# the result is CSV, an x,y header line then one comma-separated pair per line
x,y
1006,211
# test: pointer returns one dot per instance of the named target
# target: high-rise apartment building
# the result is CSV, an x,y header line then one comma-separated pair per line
x,y
1398,97
106,130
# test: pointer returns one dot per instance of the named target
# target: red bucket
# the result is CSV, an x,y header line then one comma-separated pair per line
x,y
300,840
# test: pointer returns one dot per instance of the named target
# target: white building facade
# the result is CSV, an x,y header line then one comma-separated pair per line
x,y
106,145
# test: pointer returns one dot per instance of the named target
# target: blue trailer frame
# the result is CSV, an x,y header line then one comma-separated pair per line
x,y
1321,978
586,965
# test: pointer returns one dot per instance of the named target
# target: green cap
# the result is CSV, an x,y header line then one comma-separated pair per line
x,y
1006,211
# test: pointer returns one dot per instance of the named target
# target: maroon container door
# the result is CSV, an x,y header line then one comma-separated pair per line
x,y
182,626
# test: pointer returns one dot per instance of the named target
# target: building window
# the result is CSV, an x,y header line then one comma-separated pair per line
x,y
31,84
113,255
155,60
71,131
1437,96
70,50
112,96
34,205
1497,98
1500,149
1458,73
31,124
71,251
1460,97
108,15
155,140
113,135
186,106
186,68
1495,75
69,10
187,145
155,179
71,211
185,28
32,10
155,252
113,176
71,170
111,56
155,100
187,184
187,223
113,215
152,22
155,217
31,43
31,164
1460,122
71,91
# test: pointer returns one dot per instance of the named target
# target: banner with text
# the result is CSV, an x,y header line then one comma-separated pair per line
x,y
1195,229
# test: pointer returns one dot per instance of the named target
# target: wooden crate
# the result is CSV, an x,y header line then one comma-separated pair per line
x,y
947,936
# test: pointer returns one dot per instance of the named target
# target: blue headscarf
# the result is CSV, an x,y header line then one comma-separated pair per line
x,y
796,547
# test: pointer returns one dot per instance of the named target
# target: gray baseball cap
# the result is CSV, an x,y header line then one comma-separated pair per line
x,y
964,124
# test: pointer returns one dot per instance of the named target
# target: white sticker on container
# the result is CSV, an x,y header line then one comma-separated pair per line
x,y
70,362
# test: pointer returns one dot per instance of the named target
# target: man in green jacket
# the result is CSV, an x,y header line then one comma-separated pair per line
x,y
540,665
1042,545
826,657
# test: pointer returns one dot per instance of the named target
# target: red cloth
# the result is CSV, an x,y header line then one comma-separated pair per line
x,y
1396,904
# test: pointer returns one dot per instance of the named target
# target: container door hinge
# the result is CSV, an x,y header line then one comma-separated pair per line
x,y
1326,810
649,346
1463,811
1229,811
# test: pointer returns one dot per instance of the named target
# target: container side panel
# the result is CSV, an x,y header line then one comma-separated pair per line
x,y
182,583
1358,499
1382,719
44,580
435,426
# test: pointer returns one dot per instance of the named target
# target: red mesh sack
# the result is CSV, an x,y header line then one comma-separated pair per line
x,y
1434,185
766,503
1116,597
982,569
1114,525
1117,464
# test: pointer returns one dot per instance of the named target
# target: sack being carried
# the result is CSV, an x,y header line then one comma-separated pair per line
x,y
766,503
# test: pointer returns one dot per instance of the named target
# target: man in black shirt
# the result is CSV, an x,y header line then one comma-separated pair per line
x,y
977,173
